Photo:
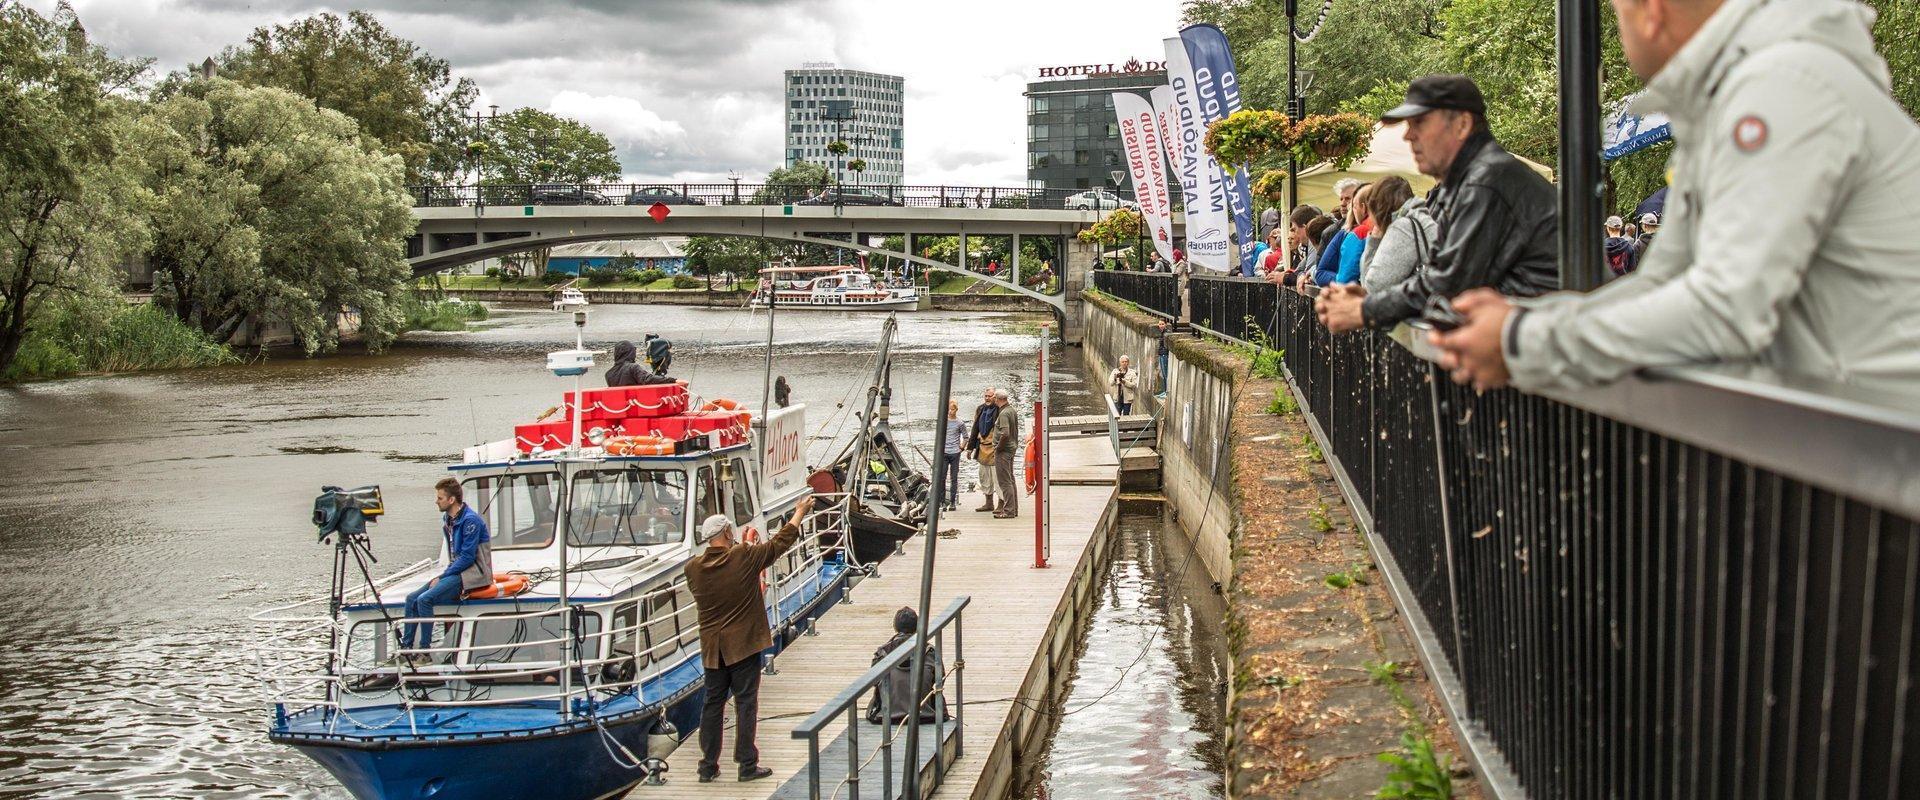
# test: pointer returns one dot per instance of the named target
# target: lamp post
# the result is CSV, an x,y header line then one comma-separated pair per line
x,y
1293,99
734,175
479,122
840,112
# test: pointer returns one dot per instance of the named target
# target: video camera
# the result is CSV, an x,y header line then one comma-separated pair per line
x,y
347,511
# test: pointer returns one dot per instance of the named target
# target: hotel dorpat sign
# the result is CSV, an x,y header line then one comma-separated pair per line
x,y
1133,66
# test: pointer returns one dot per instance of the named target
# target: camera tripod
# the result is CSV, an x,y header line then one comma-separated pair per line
x,y
360,549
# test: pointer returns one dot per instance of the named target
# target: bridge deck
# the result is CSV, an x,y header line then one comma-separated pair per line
x,y
1006,627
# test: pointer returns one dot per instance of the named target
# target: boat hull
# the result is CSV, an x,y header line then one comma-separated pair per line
x,y
902,304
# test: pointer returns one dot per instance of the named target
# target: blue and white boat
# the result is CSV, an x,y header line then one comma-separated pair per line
x,y
582,673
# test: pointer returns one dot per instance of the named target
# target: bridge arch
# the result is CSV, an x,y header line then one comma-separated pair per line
x,y
460,256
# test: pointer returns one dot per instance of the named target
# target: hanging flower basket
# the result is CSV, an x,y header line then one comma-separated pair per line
x,y
1246,136
1271,185
1339,138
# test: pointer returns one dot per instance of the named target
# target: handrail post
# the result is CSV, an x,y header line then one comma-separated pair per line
x,y
886,745
959,685
853,751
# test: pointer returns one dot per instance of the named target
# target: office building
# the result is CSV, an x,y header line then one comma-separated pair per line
x,y
870,107
1073,139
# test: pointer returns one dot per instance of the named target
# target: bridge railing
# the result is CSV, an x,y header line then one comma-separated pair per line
x,y
730,194
1692,583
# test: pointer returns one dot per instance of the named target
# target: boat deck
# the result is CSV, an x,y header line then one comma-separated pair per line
x,y
1010,636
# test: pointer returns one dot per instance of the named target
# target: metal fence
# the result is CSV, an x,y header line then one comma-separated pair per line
x,y
730,194
1154,292
1693,584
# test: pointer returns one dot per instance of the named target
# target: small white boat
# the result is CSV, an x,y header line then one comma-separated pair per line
x,y
569,299
848,288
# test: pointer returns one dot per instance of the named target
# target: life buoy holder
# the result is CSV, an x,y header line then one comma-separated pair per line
x,y
729,404
505,584
643,445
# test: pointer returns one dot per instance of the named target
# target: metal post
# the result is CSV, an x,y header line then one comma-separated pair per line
x,y
1293,98
934,501
1042,512
1580,181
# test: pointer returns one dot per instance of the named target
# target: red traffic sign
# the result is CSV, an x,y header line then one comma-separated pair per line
x,y
659,212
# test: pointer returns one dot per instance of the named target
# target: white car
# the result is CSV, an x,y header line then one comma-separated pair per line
x,y
569,299
1098,200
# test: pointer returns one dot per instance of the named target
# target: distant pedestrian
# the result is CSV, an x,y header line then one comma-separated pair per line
x,y
782,392
1006,443
1160,354
1649,224
659,353
980,446
1123,382
1623,253
952,444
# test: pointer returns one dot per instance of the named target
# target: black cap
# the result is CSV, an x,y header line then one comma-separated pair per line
x,y
1433,92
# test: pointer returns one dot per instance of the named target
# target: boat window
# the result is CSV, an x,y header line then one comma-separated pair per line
x,y
519,509
706,495
742,497
621,644
663,629
526,639
629,507
371,643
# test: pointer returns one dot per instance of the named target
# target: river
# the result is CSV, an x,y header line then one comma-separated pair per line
x,y
143,516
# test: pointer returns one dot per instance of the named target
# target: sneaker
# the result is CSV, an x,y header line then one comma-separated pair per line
x,y
754,774
709,777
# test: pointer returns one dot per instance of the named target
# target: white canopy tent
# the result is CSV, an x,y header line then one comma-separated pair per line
x,y
1389,155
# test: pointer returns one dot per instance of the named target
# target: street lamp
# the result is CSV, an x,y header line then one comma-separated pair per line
x,y
734,175
840,112
479,122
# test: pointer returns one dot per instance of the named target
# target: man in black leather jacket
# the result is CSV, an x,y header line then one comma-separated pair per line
x,y
1498,220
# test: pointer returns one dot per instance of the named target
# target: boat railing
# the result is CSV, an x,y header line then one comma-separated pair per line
x,y
316,661
848,705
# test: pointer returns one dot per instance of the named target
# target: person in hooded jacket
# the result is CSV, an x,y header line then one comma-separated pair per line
x,y
626,372
1788,239
1623,253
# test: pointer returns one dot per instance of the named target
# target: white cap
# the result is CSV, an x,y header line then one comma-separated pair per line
x,y
1649,218
714,526
1614,222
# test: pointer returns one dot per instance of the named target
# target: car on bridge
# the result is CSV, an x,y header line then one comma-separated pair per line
x,y
1098,200
560,194
850,196
648,195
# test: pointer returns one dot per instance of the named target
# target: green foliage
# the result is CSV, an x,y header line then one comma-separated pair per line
x,y
493,272
1271,184
1415,773
687,282
600,276
444,315
398,95
837,147
109,336
1119,225
1322,521
268,207
1283,402
710,255
528,145
648,275
857,165
554,277
72,206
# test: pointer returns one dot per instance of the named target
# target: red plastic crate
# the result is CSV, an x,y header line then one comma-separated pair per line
x,y
624,402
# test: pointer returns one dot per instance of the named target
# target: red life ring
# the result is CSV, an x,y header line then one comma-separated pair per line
x,y
505,584
729,404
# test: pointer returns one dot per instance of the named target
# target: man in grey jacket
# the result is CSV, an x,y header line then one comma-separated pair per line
x,y
1006,437
1789,236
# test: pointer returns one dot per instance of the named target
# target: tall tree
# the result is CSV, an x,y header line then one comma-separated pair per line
x,y
270,208
70,197
532,146
400,95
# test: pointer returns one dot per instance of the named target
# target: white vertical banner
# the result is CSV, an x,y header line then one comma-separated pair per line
x,y
1140,135
1199,176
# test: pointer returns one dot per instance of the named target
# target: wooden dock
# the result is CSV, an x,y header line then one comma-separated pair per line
x,y
1019,636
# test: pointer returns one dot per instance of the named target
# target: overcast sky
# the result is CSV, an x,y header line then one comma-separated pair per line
x,y
689,89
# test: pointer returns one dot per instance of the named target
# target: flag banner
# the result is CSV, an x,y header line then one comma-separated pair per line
x,y
1218,89
1208,227
1628,132
1140,135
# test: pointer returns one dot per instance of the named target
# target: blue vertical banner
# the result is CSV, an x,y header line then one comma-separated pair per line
x,y
1219,94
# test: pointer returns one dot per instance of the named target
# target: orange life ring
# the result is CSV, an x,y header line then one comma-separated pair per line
x,y
644,445
728,404
505,584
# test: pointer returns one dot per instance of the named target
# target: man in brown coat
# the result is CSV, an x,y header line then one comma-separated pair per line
x,y
725,580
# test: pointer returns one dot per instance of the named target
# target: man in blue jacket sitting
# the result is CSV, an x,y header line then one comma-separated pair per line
x,y
469,566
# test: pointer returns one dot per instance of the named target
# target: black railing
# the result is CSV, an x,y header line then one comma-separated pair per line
x,y
1154,292
1695,583
729,194
1634,604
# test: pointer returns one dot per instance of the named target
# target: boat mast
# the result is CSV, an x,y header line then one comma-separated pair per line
x,y
882,370
766,378
569,363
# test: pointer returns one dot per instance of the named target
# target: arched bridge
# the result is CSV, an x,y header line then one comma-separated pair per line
x,y
455,228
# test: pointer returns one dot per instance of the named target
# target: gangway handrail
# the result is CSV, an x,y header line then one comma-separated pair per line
x,y
849,698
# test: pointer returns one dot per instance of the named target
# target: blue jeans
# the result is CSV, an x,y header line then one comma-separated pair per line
x,y
439,591
953,478
1123,408
1162,358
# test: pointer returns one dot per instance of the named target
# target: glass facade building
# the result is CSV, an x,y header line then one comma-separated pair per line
x,y
1073,139
874,134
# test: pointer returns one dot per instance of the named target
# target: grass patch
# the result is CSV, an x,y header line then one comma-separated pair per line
x,y
1283,402
1312,447
112,337
954,284
444,315
1321,520
1415,773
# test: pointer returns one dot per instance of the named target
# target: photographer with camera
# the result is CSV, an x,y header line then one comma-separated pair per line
x,y
469,566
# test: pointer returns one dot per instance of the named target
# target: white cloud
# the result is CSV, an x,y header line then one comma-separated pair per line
x,y
690,90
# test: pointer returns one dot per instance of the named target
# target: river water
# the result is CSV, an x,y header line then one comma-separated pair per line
x,y
142,517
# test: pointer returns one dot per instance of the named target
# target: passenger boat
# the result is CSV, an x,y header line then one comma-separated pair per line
x,y
570,299
577,673
846,288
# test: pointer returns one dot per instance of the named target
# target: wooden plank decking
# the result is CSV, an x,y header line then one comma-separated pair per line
x,y
1007,630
